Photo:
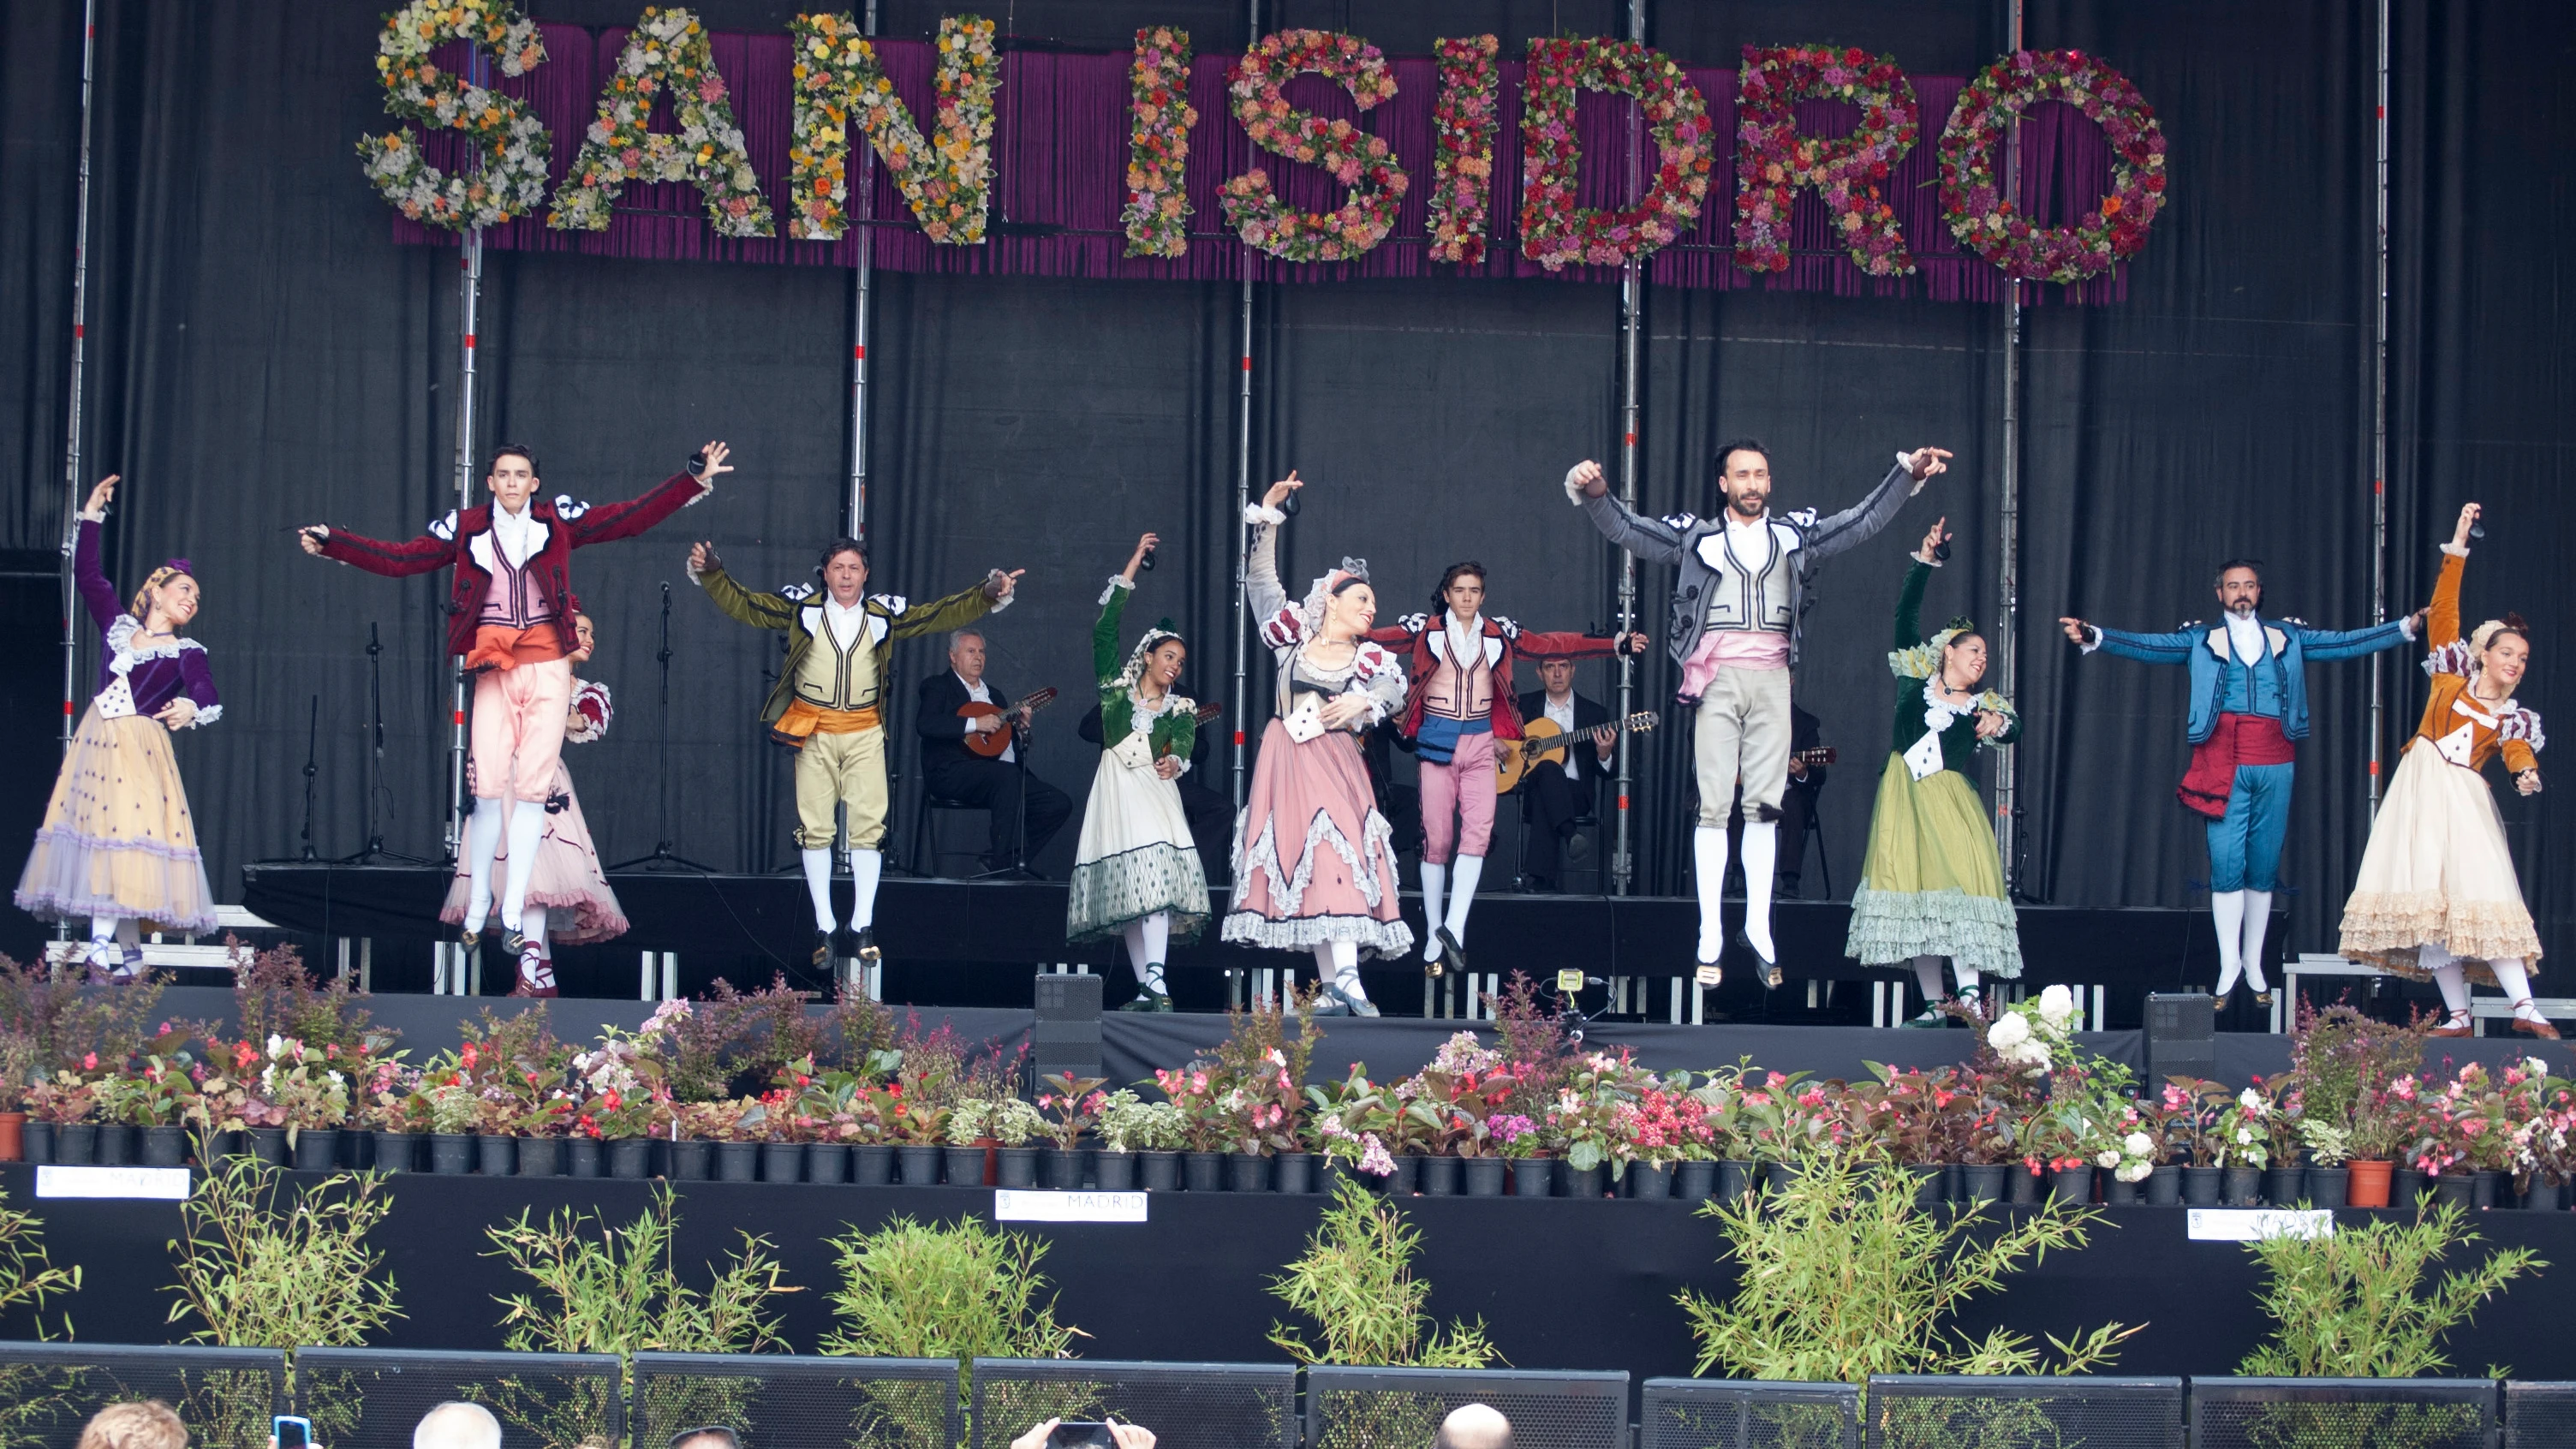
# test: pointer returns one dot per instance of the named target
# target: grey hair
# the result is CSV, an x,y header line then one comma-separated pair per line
x,y
457,1425
961,635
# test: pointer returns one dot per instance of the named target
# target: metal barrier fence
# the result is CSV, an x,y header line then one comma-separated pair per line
x,y
774,1401
1353,1408
2343,1413
48,1391
1733,1414
360,1396
1938,1411
2540,1415
1187,1405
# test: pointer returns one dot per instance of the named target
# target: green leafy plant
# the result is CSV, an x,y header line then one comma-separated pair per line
x,y
268,1265
1355,1280
960,1290
1842,1276
1128,1123
1076,1103
69,1019
28,1278
2364,1303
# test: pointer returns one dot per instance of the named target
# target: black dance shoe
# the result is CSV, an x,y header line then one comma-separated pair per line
x,y
822,947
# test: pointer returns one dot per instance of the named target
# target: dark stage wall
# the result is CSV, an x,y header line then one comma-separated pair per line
x,y
263,355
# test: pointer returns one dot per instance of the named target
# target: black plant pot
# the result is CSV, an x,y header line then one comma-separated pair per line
x,y
165,1146
2243,1188
1204,1171
2201,1185
268,1144
1158,1171
541,1157
2455,1189
37,1145
1062,1170
629,1157
582,1156
1116,1171
1777,1176
2164,1186
1928,1184
2329,1187
2072,1186
2022,1186
1406,1180
1734,1178
1586,1182
1648,1179
397,1151
1695,1180
2544,1196
1533,1176
2405,1188
496,1156
965,1167
1330,1173
1247,1172
738,1161
115,1144
2282,1186
2482,1189
782,1162
317,1149
872,1164
1016,1167
1437,1176
2117,1193
451,1153
827,1162
693,1160
1296,1172
1483,1176
1981,1182
920,1165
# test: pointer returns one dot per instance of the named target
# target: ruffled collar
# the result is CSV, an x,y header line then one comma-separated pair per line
x,y
123,655
1939,714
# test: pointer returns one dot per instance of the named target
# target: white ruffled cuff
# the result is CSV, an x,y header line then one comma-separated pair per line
x,y
1116,581
1573,490
206,716
2455,550
1263,513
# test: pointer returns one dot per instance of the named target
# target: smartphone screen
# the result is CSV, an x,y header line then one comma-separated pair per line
x,y
292,1432
1082,1434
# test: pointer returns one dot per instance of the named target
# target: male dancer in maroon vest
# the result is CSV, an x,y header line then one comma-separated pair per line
x,y
510,616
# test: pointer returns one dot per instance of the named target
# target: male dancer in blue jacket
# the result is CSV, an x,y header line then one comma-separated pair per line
x,y
2249,710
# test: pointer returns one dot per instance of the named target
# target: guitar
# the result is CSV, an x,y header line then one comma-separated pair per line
x,y
1823,755
1542,739
991,743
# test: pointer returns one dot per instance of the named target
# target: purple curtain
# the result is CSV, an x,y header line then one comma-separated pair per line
x,y
1060,143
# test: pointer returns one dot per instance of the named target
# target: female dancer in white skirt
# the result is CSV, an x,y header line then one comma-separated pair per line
x,y
118,844
1314,861
569,901
1136,874
2438,896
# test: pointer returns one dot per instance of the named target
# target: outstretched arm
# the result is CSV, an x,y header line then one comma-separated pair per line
x,y
425,554
1262,589
760,611
97,594
1650,539
1864,519
1106,659
1909,599
956,611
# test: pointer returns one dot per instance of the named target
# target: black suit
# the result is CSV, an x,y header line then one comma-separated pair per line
x,y
953,772
1551,801
1209,812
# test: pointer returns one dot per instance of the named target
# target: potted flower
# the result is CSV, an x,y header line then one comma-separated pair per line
x,y
621,1085
1075,1103
2542,1111
159,1099
743,1131
2192,1108
1140,1143
311,1096
1194,1089
2244,1146
2329,1182
2383,1129
66,1105
20,1055
1654,1131
1014,1123
695,1131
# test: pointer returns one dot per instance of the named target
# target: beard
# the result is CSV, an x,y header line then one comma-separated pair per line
x,y
2244,609
1748,504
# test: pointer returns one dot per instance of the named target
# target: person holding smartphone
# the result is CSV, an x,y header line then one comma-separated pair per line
x,y
1085,1434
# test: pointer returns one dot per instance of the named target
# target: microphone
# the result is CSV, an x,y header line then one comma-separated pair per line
x,y
1288,505
1146,564
1941,550
2477,528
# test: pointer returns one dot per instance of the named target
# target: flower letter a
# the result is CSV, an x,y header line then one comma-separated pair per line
x,y
667,47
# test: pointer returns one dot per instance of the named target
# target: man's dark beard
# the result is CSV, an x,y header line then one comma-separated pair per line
x,y
1759,502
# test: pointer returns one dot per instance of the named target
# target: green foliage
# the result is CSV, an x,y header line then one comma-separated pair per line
x,y
1843,1276
618,1290
962,1290
274,995
27,1277
2362,1302
66,1019
1356,1282
269,1265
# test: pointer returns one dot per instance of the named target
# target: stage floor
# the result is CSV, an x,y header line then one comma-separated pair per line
x,y
936,934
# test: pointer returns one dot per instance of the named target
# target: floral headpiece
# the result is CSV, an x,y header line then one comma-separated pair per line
x,y
2485,633
1321,593
1924,659
162,575
1162,631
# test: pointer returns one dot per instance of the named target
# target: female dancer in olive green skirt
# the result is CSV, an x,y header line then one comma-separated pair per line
x,y
1932,884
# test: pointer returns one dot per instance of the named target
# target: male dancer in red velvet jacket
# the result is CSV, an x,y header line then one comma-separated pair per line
x,y
510,616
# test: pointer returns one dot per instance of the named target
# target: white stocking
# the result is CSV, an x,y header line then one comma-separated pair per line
x,y
1708,854
2516,983
532,925
1434,877
527,827
1148,939
866,866
2227,908
482,843
1967,976
2258,920
1338,962
102,929
1927,974
1761,857
1462,895
818,884
2448,976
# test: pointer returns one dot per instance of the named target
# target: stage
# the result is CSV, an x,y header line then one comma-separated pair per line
x,y
1560,1283
971,943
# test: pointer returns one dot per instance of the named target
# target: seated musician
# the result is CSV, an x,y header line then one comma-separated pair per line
x,y
1797,807
954,772
1565,786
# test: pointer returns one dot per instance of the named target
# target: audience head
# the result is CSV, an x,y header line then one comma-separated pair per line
x,y
454,1425
140,1424
713,1436
1475,1426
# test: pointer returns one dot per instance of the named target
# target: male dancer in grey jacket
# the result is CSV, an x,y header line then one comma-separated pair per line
x,y
1738,601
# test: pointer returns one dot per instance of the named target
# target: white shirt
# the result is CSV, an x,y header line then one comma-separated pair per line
x,y
515,534
1563,715
1755,536
2245,637
847,624
982,695
1465,645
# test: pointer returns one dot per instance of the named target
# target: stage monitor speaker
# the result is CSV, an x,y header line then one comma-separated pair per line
x,y
2179,1040
1066,1035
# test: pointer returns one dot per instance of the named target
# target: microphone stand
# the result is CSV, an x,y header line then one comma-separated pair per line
x,y
375,852
663,857
312,743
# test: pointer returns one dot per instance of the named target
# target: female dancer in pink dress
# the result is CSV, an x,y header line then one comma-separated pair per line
x,y
569,902
1314,861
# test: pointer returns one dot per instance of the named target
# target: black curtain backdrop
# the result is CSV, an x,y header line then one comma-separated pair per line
x,y
262,355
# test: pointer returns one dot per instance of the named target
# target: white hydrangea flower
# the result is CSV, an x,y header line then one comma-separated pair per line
x,y
2250,1100
2138,1144
2008,1032
2057,1004
2107,1157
